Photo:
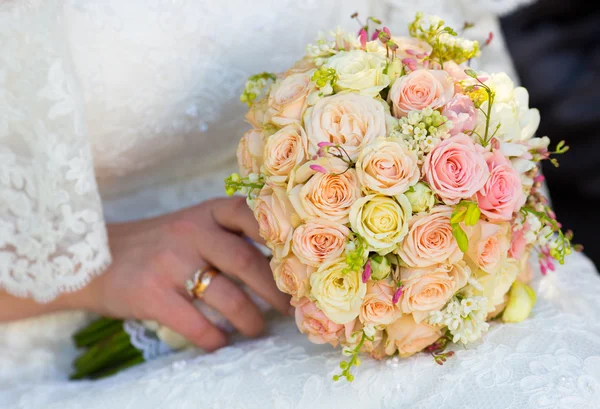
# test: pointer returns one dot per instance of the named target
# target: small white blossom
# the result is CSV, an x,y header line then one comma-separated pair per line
x,y
465,319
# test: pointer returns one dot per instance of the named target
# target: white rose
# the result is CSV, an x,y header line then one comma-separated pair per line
x,y
381,220
338,294
359,71
421,198
495,287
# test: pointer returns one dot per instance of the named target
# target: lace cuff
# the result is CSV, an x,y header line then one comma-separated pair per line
x,y
52,233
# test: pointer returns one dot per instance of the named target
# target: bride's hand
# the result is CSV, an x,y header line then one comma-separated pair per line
x,y
152,260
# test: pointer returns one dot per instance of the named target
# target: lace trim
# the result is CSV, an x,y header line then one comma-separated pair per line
x,y
145,339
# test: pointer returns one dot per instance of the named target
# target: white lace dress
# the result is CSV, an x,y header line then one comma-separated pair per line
x,y
149,90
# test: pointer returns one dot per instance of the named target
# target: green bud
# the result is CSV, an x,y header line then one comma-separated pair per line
x,y
473,214
350,377
461,237
380,267
343,365
235,177
230,190
336,378
458,215
521,300
420,197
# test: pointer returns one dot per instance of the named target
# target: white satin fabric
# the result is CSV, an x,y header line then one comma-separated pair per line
x,y
149,89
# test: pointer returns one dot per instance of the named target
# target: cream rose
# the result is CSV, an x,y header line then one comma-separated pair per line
x,y
429,289
359,71
250,152
488,245
285,150
408,337
338,293
381,220
319,240
420,89
327,195
312,322
275,216
377,306
292,276
288,99
348,119
495,287
386,166
430,240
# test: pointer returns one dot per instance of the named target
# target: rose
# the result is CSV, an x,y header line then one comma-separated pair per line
x,y
380,267
319,240
409,47
312,322
456,72
430,240
338,292
377,306
257,115
420,89
455,169
381,221
292,276
326,195
250,152
521,300
359,71
348,119
303,65
429,289
502,194
421,198
462,112
518,242
409,337
386,166
288,99
285,150
494,287
275,215
488,245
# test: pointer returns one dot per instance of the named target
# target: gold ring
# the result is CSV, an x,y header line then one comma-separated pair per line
x,y
200,282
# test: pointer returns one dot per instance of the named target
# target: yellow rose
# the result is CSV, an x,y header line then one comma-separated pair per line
x,y
338,294
495,287
359,71
382,221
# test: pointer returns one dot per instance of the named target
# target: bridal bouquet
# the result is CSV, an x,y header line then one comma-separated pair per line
x,y
398,189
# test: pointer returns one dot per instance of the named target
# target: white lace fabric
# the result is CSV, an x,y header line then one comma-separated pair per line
x,y
52,233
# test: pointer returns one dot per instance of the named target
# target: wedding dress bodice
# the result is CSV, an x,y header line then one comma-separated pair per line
x,y
118,110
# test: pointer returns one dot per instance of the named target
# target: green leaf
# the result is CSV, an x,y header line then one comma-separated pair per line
x,y
473,214
461,237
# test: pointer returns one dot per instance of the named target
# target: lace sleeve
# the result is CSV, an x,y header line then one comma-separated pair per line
x,y
52,233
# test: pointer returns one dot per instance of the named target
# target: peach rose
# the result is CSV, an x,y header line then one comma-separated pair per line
x,y
292,276
327,195
285,150
377,306
429,289
319,240
488,245
258,115
386,166
275,216
250,152
502,194
430,239
348,119
288,99
455,169
313,322
408,337
420,89
301,66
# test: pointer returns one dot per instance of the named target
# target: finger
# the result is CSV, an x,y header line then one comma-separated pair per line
x,y
236,257
233,214
227,298
180,315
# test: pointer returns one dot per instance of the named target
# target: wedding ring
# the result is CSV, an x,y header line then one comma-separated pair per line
x,y
200,282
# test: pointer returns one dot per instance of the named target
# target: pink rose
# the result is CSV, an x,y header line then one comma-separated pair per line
x,y
319,240
518,243
455,169
250,152
455,71
502,194
288,99
429,289
409,47
284,151
313,322
488,245
420,89
408,337
462,112
274,214
292,276
430,240
377,307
